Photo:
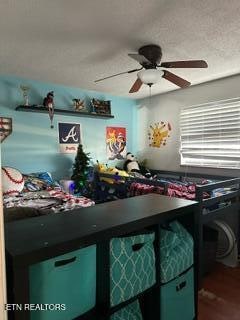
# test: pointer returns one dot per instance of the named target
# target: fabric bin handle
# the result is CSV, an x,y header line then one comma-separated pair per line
x,y
64,262
137,246
136,233
181,286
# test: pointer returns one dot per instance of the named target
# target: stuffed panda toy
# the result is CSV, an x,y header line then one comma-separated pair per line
x,y
131,164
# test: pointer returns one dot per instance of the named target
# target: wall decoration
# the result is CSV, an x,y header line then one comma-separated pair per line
x,y
69,137
158,134
101,106
5,128
25,90
79,105
48,103
116,143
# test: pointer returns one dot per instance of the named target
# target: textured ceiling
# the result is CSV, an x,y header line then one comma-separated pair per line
x,y
74,42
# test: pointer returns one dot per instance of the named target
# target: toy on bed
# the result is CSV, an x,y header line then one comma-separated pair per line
x,y
117,173
112,186
132,166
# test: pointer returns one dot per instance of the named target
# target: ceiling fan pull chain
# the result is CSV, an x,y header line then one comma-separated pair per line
x,y
150,95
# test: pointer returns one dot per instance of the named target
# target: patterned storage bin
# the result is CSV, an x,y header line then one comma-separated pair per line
x,y
69,279
177,298
132,266
176,250
130,312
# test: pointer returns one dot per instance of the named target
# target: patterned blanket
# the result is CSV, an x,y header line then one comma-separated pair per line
x,y
52,201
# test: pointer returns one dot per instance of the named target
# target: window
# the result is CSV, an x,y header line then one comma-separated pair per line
x,y
210,134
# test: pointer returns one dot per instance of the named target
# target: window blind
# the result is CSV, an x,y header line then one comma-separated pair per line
x,y
210,134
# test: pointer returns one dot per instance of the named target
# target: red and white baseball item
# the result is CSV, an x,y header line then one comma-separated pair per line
x,y
12,181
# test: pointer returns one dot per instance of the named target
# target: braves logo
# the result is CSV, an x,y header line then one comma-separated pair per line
x,y
71,134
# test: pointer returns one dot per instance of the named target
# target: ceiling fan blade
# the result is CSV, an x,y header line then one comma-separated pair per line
x,y
182,83
118,74
136,86
185,64
139,58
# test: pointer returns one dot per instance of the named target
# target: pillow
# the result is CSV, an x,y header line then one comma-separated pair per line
x,y
39,181
12,181
45,176
31,183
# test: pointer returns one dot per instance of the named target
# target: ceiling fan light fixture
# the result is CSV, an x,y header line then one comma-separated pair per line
x,y
149,57
150,76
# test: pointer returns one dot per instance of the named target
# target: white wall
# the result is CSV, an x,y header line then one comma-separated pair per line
x,y
166,107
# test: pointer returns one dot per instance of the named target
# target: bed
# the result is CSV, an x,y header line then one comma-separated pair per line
x,y
217,196
41,195
174,184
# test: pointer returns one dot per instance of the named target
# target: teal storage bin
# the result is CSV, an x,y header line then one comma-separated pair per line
x,y
69,279
177,298
130,312
176,251
132,266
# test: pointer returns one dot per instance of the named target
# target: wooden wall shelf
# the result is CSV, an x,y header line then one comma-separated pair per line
x,y
65,112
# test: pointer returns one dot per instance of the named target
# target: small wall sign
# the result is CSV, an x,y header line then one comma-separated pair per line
x,y
5,128
69,137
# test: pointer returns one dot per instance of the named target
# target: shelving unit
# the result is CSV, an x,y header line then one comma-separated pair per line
x,y
28,243
64,112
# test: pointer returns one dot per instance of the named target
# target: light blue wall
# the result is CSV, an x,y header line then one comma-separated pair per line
x,y
33,146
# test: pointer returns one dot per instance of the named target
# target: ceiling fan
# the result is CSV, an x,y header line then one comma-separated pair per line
x,y
149,57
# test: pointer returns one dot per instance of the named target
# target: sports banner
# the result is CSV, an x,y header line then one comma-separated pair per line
x,y
69,137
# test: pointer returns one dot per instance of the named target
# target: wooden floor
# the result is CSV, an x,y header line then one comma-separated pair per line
x,y
220,297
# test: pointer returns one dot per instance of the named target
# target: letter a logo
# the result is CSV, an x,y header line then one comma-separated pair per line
x,y
71,134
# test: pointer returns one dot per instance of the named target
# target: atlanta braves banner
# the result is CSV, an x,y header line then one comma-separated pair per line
x,y
69,137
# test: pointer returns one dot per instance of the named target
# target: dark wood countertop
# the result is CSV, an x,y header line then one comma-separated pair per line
x,y
32,240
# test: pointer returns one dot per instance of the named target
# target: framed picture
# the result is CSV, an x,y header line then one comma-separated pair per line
x,y
101,106
116,139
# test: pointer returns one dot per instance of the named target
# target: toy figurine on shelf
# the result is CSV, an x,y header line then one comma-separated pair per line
x,y
78,104
25,90
101,106
48,102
